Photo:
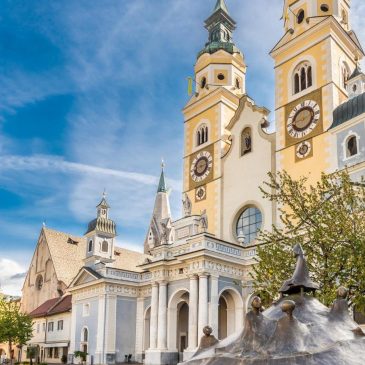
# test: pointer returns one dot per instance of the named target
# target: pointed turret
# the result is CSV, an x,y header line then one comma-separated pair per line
x,y
160,229
220,26
100,236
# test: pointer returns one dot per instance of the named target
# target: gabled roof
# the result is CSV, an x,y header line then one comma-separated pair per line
x,y
53,306
62,306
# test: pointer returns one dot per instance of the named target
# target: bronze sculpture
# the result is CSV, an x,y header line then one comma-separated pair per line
x,y
296,330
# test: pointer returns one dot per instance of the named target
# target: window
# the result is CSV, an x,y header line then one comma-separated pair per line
x,y
238,84
303,77
50,352
50,327
249,223
325,8
86,310
202,135
44,327
221,77
90,247
203,82
351,146
105,246
39,282
60,325
300,16
246,141
56,352
38,327
85,335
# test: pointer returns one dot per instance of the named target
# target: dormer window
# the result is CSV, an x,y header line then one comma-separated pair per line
x,y
303,77
202,135
300,16
351,146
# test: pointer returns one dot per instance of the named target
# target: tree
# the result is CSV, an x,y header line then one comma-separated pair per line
x,y
328,220
16,328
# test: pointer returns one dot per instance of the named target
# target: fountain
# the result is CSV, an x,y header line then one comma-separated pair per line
x,y
295,330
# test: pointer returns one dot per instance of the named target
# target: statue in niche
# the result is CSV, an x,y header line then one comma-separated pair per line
x,y
187,205
203,221
246,141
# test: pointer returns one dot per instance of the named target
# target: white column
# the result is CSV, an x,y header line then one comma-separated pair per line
x,y
111,323
139,329
154,314
193,313
214,304
162,316
73,328
100,335
203,303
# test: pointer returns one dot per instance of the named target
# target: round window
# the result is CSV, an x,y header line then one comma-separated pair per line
x,y
325,8
249,223
220,77
300,16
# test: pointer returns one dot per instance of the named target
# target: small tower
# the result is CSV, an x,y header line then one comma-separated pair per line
x,y
160,229
100,236
356,83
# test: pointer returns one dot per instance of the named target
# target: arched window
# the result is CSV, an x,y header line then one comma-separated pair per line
x,y
246,141
248,224
90,247
105,246
39,282
351,146
303,77
85,335
48,273
202,135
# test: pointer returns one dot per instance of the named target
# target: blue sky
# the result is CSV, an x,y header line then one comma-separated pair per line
x,y
91,94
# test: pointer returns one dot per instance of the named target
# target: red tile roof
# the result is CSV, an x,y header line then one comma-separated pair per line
x,y
53,306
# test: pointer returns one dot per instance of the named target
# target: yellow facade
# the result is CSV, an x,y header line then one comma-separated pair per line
x,y
219,85
312,61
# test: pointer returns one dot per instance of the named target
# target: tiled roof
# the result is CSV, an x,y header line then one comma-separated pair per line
x,y
348,110
63,305
128,260
43,309
67,255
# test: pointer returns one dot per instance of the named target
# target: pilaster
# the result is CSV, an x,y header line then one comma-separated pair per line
x,y
193,313
214,304
139,329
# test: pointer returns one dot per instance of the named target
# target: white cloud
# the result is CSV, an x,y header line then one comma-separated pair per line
x,y
12,276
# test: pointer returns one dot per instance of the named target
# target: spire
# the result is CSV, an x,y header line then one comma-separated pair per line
x,y
220,26
103,203
162,184
221,5
159,232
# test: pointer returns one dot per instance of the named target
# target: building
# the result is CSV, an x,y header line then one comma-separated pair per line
x,y
195,270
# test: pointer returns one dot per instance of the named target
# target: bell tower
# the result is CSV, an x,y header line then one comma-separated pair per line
x,y
313,61
219,83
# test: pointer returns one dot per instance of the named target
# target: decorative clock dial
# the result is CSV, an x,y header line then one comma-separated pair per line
x,y
200,193
303,119
201,166
303,149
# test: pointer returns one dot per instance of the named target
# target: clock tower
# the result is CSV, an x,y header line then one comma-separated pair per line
x,y
220,83
313,61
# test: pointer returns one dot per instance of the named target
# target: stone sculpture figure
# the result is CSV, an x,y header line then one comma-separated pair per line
x,y
204,221
208,340
187,205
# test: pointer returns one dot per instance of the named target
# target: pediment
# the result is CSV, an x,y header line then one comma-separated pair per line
x,y
85,276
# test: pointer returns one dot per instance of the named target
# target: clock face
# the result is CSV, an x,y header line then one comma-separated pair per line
x,y
201,166
303,119
303,149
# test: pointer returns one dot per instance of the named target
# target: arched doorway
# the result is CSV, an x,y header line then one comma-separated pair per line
x,y
178,321
230,313
147,328
182,326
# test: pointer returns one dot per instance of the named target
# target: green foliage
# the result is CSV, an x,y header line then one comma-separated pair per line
x,y
81,354
328,220
15,326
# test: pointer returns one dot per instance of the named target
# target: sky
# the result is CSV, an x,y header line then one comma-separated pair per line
x,y
91,94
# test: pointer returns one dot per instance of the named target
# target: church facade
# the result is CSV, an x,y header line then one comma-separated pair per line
x,y
195,270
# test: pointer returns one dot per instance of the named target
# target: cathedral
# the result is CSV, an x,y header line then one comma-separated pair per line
x,y
85,294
